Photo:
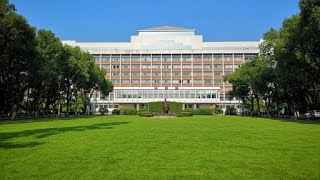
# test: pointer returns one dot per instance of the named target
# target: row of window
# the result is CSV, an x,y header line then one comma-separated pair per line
x,y
195,73
173,57
156,94
168,66
167,81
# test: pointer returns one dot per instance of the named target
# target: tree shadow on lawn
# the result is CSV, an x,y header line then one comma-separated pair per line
x,y
311,122
5,138
22,121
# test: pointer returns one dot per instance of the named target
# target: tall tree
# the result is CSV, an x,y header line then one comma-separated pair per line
x,y
17,56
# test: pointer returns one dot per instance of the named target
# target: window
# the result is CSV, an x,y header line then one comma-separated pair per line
x,y
115,73
166,57
116,66
197,73
125,81
207,81
197,57
218,80
197,81
176,81
115,58
105,58
125,73
166,66
207,57
125,66
176,66
146,66
125,58
105,66
146,57
135,66
238,57
144,81
248,57
96,57
156,81
166,73
135,73
218,73
176,73
115,81
228,66
227,73
217,57
207,73
135,58
217,66
186,81
176,57
237,65
186,57
156,66
186,66
156,58
146,73
207,66
228,57
186,73
135,81
197,66
156,73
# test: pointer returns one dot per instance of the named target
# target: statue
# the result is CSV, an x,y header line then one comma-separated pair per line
x,y
165,106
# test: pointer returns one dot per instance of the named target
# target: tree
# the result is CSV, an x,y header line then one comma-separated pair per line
x,y
17,56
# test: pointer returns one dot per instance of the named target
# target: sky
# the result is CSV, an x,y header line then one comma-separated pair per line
x,y
117,20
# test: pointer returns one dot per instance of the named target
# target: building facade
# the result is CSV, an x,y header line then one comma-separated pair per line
x,y
168,62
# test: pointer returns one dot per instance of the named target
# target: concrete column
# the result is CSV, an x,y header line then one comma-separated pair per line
x,y
194,106
183,106
138,107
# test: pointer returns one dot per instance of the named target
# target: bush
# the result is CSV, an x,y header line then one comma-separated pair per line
x,y
128,111
143,111
217,110
190,110
103,110
156,107
116,112
231,111
146,114
184,114
203,111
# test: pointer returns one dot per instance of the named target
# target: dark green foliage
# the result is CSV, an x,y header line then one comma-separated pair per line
x,y
128,111
116,112
217,110
146,114
103,110
190,110
156,107
203,111
231,111
184,114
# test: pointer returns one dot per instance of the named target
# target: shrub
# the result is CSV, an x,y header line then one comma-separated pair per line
x,y
184,114
144,111
103,110
116,112
174,107
217,110
128,111
146,114
203,111
190,110
231,111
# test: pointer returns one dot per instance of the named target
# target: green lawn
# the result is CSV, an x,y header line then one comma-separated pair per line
x,y
131,147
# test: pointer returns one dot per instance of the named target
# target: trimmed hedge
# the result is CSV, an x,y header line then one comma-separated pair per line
x,y
203,111
145,114
231,111
190,110
128,111
103,110
217,110
156,107
184,114
116,112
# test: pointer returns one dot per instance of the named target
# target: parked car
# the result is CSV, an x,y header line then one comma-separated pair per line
x,y
313,114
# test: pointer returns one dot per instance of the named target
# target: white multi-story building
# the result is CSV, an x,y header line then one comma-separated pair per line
x,y
168,62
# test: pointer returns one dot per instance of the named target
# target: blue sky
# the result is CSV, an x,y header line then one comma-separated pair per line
x,y
117,20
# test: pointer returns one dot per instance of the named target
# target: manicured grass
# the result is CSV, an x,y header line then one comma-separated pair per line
x,y
132,147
